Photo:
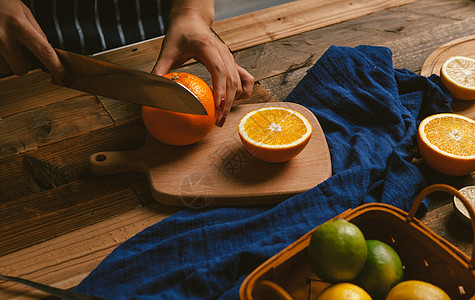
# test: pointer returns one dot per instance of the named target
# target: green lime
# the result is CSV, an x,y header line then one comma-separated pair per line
x,y
382,270
337,250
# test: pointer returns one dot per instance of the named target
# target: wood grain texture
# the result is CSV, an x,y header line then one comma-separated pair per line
x,y
29,221
51,123
35,171
59,167
141,56
292,18
411,44
218,170
65,260
19,94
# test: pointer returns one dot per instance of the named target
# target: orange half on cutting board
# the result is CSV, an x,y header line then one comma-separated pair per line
x,y
275,133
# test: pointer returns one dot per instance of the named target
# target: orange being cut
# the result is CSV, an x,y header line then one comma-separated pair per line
x,y
446,143
179,129
275,133
458,76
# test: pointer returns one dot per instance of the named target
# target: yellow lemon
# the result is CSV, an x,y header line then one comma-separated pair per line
x,y
416,290
458,76
343,291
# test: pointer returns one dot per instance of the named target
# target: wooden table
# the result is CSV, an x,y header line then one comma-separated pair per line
x,y
58,221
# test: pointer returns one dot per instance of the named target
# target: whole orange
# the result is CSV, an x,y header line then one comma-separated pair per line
x,y
179,129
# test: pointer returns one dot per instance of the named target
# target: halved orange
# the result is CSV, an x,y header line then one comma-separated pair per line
x,y
275,133
458,76
447,143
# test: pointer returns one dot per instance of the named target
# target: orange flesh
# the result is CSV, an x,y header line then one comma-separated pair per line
x,y
275,127
452,135
462,71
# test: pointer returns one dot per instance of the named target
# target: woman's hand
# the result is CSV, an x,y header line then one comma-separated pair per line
x,y
19,30
189,36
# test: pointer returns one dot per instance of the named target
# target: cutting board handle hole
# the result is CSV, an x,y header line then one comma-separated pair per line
x,y
101,158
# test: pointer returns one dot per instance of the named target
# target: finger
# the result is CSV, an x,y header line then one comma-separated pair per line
x,y
247,82
39,47
4,68
233,82
215,65
163,64
33,21
14,57
170,57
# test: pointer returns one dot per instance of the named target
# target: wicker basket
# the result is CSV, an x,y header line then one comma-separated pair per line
x,y
425,255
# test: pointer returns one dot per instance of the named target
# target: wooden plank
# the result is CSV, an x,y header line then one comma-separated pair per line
x,y
141,56
305,13
445,223
63,162
410,46
67,259
121,112
64,261
84,202
22,93
59,163
19,94
52,123
411,31
292,18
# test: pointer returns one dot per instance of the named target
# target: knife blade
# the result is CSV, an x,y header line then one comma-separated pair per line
x,y
103,78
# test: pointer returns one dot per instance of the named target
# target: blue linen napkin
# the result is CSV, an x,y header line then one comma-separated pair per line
x,y
369,112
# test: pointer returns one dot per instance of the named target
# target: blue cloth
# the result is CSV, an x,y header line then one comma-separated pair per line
x,y
369,112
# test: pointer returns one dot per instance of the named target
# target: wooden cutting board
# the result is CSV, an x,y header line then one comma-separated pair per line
x,y
460,47
218,171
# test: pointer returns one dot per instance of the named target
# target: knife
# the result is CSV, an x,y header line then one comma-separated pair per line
x,y
102,78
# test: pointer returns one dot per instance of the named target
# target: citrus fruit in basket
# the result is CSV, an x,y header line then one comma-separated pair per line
x,y
447,143
337,250
343,291
416,290
458,76
382,270
274,134
179,129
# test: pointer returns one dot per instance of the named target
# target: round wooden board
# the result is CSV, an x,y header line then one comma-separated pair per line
x,y
460,47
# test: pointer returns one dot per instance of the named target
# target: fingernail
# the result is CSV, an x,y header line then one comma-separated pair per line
x,y
221,122
222,104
